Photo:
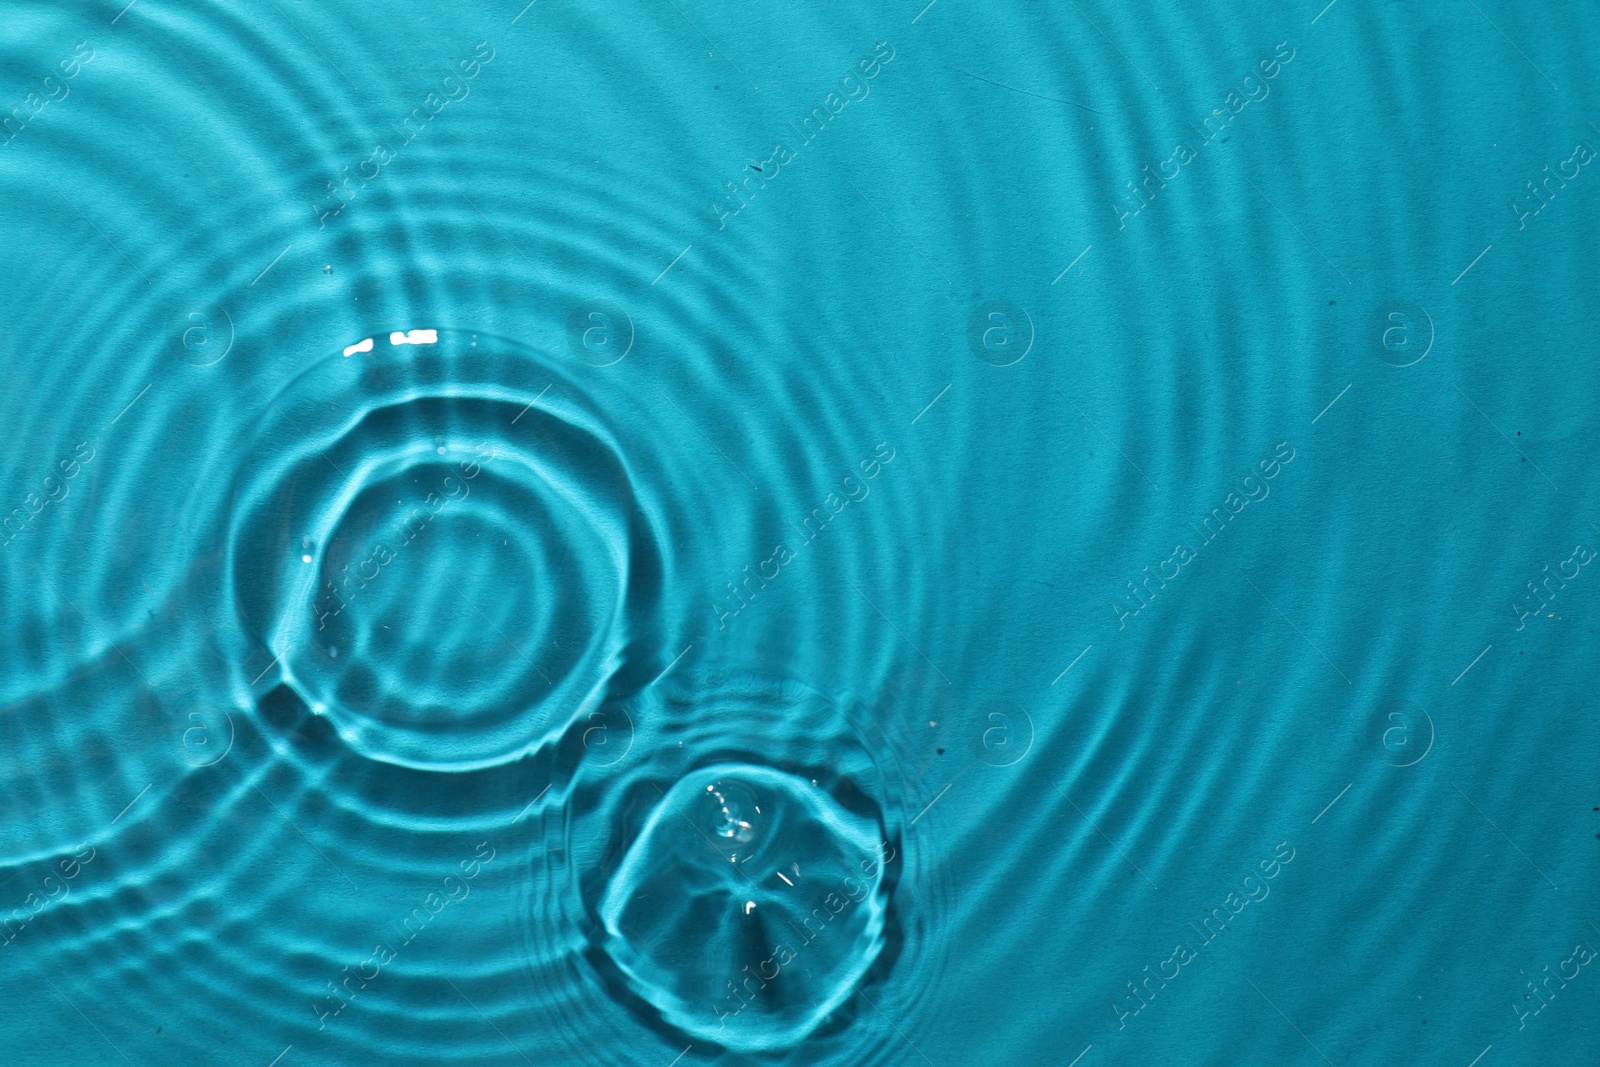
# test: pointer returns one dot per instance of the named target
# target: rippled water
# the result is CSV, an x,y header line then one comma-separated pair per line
x,y
916,534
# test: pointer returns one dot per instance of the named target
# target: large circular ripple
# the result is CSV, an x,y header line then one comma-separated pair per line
x,y
439,544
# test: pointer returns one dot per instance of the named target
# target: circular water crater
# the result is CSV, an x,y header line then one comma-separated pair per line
x,y
442,547
748,907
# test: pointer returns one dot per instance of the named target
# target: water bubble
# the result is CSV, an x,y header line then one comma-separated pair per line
x,y
730,807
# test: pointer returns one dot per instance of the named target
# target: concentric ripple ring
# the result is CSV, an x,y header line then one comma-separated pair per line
x,y
441,549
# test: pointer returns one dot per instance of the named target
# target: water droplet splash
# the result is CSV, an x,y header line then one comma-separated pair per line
x,y
710,921
729,805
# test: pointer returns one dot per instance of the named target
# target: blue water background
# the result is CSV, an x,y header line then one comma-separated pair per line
x,y
1074,471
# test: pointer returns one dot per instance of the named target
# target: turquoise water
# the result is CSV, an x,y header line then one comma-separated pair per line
x,y
672,534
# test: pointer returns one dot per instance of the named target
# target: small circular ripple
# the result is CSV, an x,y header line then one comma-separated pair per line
x,y
444,550
753,873
734,881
